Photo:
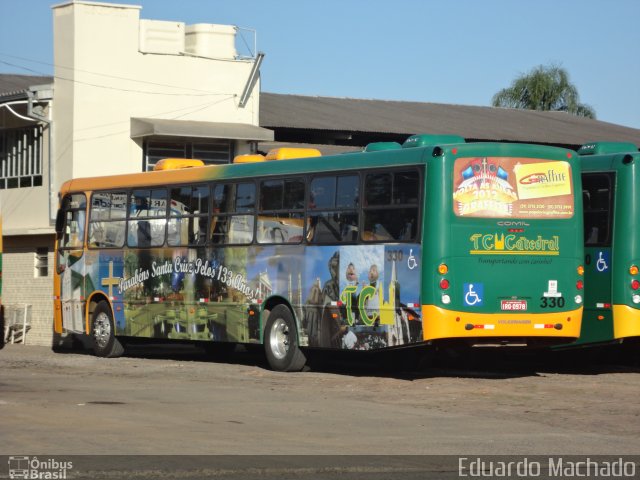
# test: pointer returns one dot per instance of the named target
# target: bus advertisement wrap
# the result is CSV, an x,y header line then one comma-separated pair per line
x,y
356,297
512,187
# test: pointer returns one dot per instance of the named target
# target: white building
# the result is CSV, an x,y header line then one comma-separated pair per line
x,y
125,93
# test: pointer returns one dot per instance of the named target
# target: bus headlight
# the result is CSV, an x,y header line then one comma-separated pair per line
x,y
446,299
578,299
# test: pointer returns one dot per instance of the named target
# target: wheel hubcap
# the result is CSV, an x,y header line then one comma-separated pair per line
x,y
102,330
279,338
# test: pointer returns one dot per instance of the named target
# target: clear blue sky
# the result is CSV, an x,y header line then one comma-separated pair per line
x,y
443,51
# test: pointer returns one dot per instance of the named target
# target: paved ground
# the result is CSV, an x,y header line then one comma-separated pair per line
x,y
176,401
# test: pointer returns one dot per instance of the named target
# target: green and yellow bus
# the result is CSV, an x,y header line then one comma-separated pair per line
x,y
432,242
611,200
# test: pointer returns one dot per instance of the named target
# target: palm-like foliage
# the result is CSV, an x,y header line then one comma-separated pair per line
x,y
544,88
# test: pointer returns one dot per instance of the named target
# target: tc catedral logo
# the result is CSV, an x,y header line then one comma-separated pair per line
x,y
34,468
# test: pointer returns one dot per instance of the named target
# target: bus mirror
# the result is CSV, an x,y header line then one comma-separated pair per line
x,y
59,222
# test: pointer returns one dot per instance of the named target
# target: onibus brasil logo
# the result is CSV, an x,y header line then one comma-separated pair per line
x,y
34,468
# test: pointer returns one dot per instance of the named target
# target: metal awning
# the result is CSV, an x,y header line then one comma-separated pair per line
x,y
146,127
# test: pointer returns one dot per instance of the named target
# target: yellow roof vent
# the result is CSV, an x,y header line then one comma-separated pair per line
x,y
177,163
249,158
286,153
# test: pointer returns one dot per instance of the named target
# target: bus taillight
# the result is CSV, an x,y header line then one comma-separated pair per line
x,y
580,270
444,284
635,284
443,269
579,284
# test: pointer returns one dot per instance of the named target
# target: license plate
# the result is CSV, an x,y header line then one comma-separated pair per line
x,y
513,305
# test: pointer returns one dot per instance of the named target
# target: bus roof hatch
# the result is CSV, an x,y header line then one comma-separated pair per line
x,y
425,140
378,146
177,163
249,158
286,153
601,148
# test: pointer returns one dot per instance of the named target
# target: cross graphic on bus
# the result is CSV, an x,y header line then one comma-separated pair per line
x,y
110,281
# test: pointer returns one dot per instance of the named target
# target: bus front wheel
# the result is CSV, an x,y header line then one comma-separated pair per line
x,y
103,335
281,341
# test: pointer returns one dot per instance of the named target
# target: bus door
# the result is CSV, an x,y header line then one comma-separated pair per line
x,y
70,265
597,199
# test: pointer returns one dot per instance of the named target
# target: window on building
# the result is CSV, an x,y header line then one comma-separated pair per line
x,y
21,157
41,263
210,152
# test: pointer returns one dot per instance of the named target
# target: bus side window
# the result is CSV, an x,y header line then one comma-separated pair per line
x,y
147,221
107,220
391,206
232,216
332,215
597,199
188,216
281,215
74,215
72,232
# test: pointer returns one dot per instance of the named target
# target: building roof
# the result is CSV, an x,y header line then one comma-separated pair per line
x,y
278,111
154,127
342,118
16,85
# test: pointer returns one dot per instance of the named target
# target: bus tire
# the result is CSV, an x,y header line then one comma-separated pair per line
x,y
281,341
105,343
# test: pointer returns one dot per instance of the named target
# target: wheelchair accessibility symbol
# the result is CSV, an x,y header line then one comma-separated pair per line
x,y
473,293
411,261
602,264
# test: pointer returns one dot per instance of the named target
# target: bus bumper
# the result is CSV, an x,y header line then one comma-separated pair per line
x,y
626,321
440,324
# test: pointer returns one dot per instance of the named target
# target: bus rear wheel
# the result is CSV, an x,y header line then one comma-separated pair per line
x,y
281,341
105,343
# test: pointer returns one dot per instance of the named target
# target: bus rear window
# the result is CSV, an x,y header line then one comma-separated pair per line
x,y
511,187
597,201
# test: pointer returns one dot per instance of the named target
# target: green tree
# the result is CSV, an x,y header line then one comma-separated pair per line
x,y
543,88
